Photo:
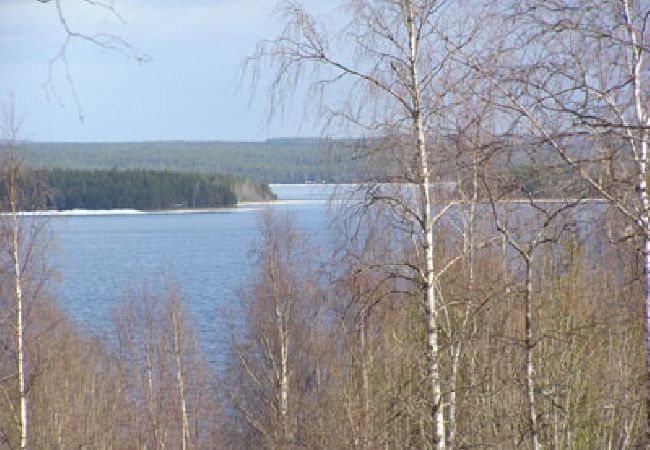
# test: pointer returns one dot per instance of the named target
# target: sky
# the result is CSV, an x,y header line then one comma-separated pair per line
x,y
191,88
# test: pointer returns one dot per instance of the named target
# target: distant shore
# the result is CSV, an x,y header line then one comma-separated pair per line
x,y
240,207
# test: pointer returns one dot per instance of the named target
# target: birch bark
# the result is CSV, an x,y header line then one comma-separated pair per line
x,y
528,349
437,411
180,379
642,188
20,332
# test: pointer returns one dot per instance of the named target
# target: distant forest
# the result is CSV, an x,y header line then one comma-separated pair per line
x,y
297,160
272,161
144,190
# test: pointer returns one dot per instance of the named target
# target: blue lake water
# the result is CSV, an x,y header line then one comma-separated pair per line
x,y
210,255
102,257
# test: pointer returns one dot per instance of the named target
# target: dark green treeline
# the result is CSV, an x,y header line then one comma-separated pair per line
x,y
145,190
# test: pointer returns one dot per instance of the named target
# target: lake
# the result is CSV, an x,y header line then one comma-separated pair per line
x,y
210,255
101,257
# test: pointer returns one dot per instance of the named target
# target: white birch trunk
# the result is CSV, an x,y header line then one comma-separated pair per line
x,y
180,378
472,219
530,368
644,222
456,348
282,307
284,380
150,396
365,387
642,165
455,362
426,210
20,332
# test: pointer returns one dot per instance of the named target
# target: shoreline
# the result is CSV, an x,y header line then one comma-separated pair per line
x,y
240,207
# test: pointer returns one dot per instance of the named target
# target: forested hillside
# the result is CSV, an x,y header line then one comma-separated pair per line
x,y
143,190
272,161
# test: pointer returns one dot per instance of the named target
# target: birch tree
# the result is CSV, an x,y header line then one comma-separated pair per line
x,y
397,76
12,230
601,86
271,383
545,222
574,75
21,261
170,387
178,338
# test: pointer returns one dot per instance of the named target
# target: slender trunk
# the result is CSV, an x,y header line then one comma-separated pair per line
x,y
456,348
150,396
20,332
528,348
644,222
642,163
430,295
364,386
455,361
180,379
647,325
437,411
472,219
284,376
504,263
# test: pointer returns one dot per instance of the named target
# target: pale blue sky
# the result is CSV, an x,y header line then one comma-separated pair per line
x,y
190,90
